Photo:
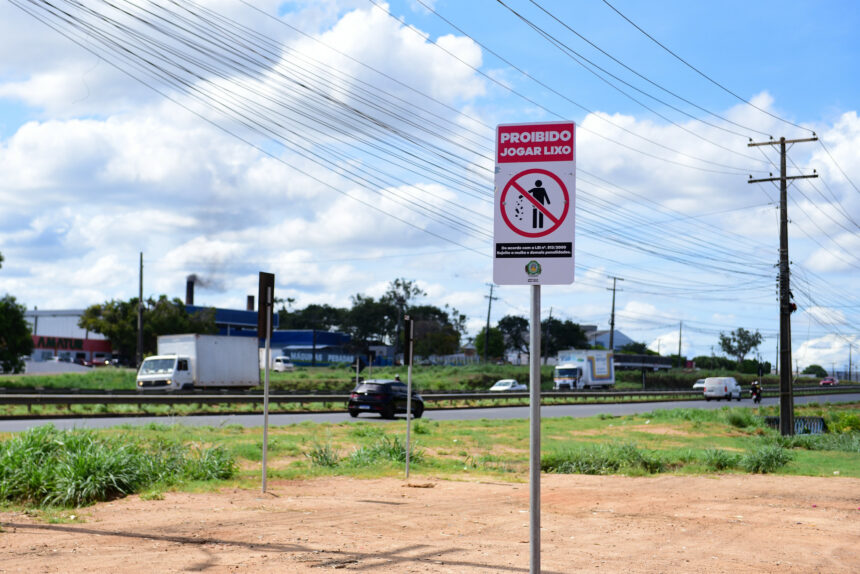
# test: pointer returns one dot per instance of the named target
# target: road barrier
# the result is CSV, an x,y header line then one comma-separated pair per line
x,y
66,397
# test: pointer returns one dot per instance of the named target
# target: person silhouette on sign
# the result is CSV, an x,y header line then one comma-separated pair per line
x,y
541,196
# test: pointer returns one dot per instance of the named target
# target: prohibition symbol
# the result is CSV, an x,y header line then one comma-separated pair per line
x,y
534,203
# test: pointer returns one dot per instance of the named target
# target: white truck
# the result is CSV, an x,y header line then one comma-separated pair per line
x,y
200,361
584,370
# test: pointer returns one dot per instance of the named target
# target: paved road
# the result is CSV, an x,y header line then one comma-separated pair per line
x,y
446,414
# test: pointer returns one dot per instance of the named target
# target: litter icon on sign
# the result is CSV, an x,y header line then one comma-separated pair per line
x,y
534,203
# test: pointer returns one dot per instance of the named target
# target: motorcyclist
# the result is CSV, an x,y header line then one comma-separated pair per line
x,y
755,391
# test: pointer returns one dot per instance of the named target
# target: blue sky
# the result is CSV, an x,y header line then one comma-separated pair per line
x,y
350,143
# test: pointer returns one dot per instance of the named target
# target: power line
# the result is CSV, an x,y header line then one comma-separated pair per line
x,y
704,75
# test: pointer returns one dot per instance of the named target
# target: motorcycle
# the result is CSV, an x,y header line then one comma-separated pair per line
x,y
755,393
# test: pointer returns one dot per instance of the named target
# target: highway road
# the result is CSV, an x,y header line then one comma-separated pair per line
x,y
439,415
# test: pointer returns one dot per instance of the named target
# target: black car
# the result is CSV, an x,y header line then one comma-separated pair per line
x,y
384,397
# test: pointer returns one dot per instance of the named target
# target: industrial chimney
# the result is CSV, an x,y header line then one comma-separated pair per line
x,y
189,290
250,305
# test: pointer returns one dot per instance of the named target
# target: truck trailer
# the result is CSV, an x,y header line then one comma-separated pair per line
x,y
193,361
584,370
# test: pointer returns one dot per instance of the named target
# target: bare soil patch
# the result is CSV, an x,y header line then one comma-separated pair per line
x,y
734,523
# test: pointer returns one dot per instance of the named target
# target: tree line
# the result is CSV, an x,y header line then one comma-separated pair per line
x,y
368,321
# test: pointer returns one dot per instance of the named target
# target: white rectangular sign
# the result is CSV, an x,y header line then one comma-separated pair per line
x,y
534,207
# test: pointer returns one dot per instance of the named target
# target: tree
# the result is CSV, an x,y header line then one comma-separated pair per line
x,y
637,349
739,343
319,317
399,295
16,340
369,321
558,335
816,370
434,331
496,347
117,320
515,330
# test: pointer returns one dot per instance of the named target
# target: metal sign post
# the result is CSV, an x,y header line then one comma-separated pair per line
x,y
534,431
266,296
408,357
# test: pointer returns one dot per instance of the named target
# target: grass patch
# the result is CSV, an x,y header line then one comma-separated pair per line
x,y
152,459
604,459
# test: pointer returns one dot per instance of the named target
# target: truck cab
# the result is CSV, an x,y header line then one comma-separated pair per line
x,y
165,372
566,377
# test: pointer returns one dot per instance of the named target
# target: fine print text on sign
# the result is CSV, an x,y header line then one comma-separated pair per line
x,y
534,204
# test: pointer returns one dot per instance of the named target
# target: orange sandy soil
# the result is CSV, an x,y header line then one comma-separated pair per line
x,y
670,524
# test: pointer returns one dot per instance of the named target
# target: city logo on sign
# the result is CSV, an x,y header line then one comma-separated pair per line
x,y
533,268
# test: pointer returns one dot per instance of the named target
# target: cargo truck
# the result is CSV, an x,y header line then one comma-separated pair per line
x,y
193,361
584,370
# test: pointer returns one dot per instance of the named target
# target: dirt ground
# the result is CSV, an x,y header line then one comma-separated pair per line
x,y
589,524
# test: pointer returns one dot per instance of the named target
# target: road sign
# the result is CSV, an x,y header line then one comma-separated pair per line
x,y
534,206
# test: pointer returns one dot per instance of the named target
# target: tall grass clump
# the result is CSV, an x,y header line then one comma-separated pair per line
x,y
324,455
385,449
603,459
741,418
718,459
766,458
840,442
48,467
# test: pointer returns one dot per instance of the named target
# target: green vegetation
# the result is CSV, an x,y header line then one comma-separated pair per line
x,y
15,339
46,467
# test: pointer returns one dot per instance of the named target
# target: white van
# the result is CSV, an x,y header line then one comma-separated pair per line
x,y
722,388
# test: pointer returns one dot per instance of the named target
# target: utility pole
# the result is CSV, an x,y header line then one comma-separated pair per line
x,y
140,314
612,316
487,332
546,337
680,328
786,394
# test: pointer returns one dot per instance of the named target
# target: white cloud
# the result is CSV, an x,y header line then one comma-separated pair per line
x,y
829,351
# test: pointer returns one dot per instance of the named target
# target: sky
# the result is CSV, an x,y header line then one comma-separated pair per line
x,y
343,144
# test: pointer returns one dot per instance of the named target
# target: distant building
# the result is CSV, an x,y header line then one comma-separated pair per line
x,y
56,334
601,338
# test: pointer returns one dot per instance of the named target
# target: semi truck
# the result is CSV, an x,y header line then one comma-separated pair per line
x,y
193,361
578,369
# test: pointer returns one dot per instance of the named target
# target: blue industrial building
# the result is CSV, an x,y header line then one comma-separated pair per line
x,y
302,346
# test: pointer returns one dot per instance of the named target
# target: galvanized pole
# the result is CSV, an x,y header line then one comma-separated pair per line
x,y
268,304
409,333
140,315
534,432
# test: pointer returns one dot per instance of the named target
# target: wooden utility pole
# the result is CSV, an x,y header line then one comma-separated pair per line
x,y
786,394
612,316
487,332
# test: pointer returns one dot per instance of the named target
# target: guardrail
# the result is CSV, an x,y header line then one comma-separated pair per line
x,y
234,397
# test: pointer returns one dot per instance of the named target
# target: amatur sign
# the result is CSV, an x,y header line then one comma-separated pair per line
x,y
534,205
